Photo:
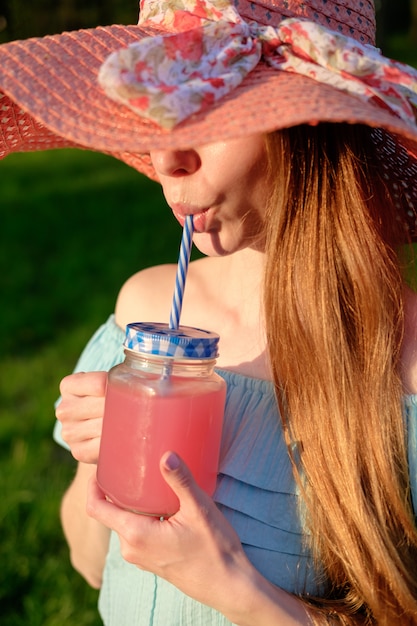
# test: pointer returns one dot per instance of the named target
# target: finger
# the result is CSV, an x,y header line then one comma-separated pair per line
x,y
179,478
86,451
75,408
81,430
122,522
97,505
84,384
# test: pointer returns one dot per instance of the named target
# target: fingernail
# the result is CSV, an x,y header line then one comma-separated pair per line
x,y
172,462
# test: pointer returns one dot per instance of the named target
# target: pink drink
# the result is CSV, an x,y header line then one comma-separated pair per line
x,y
141,423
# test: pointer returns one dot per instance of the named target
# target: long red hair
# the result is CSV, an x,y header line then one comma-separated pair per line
x,y
334,317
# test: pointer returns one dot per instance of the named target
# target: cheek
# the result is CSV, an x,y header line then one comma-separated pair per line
x,y
250,184
256,193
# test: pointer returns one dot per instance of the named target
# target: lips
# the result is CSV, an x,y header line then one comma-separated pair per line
x,y
200,221
200,216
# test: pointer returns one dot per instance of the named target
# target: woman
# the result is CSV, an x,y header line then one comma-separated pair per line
x,y
302,216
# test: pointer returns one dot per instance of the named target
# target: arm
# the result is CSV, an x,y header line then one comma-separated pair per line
x,y
80,413
87,539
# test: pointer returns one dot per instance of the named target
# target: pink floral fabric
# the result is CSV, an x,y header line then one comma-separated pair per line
x,y
207,49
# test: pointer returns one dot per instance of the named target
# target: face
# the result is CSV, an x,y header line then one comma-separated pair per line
x,y
224,186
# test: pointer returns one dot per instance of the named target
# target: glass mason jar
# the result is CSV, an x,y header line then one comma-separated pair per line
x,y
164,396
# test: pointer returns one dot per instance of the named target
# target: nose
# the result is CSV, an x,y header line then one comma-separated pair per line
x,y
175,162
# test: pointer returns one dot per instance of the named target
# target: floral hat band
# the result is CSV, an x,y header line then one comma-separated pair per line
x,y
168,77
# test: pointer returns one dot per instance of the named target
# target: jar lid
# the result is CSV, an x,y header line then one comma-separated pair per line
x,y
185,342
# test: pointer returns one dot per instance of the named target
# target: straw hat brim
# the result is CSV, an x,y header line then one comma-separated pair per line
x,y
54,80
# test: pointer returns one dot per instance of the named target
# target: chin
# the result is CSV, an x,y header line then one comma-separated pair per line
x,y
211,244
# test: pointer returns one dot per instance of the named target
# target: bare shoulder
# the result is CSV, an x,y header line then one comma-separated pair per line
x,y
409,348
146,295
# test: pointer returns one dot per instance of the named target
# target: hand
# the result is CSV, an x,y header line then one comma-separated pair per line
x,y
196,549
81,413
199,552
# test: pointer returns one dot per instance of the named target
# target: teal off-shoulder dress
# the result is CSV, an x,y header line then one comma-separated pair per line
x,y
255,491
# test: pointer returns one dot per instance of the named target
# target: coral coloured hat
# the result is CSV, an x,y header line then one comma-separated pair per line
x,y
197,71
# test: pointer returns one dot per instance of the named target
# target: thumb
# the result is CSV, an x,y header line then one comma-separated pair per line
x,y
179,478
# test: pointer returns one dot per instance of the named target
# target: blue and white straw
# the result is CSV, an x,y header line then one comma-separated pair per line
x,y
184,259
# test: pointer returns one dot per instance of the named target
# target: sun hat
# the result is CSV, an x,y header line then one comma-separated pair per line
x,y
197,71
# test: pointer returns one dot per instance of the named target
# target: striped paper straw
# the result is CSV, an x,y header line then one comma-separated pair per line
x,y
184,259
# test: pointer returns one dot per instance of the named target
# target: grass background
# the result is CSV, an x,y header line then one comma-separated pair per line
x,y
74,226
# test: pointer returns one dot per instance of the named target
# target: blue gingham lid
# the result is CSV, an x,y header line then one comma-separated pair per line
x,y
184,342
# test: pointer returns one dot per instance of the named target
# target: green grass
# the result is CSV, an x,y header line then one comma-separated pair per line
x,y
74,226
401,47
